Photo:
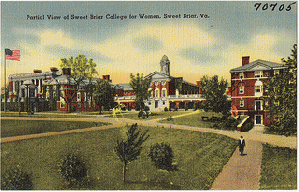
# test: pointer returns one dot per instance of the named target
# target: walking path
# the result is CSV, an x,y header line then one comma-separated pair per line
x,y
240,173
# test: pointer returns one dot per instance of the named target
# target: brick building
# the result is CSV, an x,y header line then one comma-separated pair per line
x,y
50,91
247,88
165,90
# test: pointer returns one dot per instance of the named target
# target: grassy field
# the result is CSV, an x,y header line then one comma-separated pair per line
x,y
192,120
279,168
91,114
200,158
153,115
50,114
16,127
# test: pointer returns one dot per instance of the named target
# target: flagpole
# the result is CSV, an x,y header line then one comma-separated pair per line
x,y
4,81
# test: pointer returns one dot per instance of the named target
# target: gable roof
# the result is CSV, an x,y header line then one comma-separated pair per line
x,y
157,75
258,65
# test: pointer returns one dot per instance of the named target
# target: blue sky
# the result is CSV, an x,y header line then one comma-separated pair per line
x,y
194,46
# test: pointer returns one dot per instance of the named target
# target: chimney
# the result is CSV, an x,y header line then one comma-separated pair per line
x,y
245,60
37,71
198,84
53,69
106,77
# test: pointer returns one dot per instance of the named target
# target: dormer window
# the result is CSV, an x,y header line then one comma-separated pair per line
x,y
259,74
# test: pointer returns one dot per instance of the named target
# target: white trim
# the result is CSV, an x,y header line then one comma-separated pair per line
x,y
261,105
250,78
262,120
244,97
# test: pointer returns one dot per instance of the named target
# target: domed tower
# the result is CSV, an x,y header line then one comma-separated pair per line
x,y
165,65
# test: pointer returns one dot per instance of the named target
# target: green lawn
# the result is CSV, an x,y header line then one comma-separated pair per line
x,y
279,168
16,127
50,114
153,115
192,120
200,158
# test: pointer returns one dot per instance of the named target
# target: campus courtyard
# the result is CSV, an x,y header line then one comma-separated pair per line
x,y
207,158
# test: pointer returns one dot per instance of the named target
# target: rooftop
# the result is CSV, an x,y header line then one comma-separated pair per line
x,y
258,64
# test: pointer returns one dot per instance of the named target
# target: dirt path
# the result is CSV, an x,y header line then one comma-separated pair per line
x,y
279,140
241,172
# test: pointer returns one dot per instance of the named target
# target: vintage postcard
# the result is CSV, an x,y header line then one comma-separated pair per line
x,y
149,95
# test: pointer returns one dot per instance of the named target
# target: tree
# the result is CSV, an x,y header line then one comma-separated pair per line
x,y
140,87
81,69
129,150
103,94
162,156
282,97
213,92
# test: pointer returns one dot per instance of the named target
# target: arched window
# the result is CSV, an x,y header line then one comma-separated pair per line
x,y
164,92
157,93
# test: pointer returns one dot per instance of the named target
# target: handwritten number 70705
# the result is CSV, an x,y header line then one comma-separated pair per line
x,y
273,6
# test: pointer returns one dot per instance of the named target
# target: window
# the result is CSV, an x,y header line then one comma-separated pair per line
x,y
259,74
241,103
62,104
258,89
157,93
79,96
84,98
163,92
241,91
151,93
276,72
258,105
241,75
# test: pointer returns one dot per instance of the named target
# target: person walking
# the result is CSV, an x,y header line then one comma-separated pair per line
x,y
241,144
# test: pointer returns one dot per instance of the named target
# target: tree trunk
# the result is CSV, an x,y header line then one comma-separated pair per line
x,y
124,171
68,107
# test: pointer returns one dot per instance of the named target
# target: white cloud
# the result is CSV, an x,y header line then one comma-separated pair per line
x,y
172,37
51,37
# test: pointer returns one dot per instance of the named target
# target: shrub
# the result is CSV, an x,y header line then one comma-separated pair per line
x,y
228,123
248,126
165,109
72,168
175,108
141,114
162,156
186,107
169,118
146,108
16,179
